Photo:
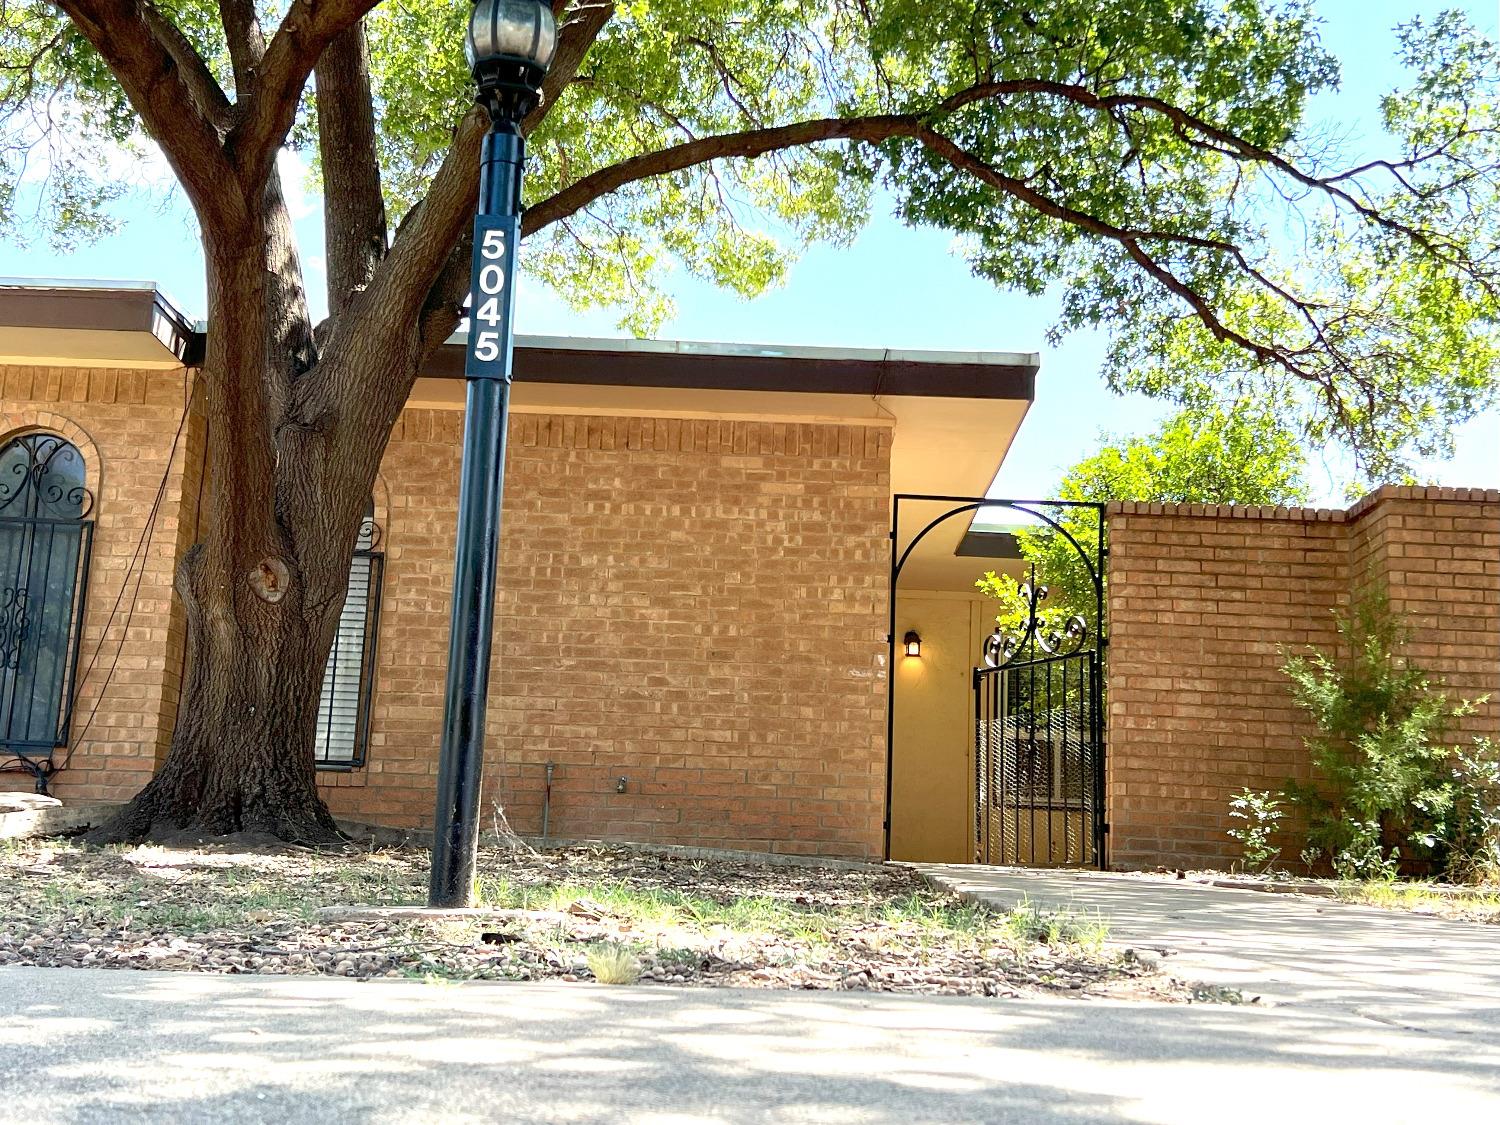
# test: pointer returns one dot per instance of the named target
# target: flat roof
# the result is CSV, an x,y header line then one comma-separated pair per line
x,y
50,305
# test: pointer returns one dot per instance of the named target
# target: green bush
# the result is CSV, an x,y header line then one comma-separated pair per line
x,y
1387,785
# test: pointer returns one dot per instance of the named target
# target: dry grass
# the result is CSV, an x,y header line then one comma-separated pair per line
x,y
1470,904
613,964
574,914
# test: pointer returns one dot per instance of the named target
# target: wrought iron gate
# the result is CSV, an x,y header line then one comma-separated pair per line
x,y
1038,796
1039,755
45,540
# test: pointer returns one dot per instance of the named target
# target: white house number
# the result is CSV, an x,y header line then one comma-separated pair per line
x,y
489,311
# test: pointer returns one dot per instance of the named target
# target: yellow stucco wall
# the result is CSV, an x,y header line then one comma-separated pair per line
x,y
932,746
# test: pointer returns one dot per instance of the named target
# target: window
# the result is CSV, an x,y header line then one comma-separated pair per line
x,y
44,557
343,733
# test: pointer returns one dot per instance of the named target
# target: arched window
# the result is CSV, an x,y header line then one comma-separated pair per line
x,y
45,537
343,733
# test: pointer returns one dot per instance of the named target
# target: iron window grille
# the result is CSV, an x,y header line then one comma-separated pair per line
x,y
343,734
46,540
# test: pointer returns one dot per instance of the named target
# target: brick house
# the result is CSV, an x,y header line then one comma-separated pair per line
x,y
700,634
693,593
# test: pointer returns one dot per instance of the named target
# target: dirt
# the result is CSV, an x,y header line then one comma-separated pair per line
x,y
718,923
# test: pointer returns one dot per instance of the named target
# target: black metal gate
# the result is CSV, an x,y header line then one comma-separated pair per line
x,y
1039,754
1038,697
45,543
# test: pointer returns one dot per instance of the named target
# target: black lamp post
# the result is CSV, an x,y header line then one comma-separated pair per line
x,y
509,45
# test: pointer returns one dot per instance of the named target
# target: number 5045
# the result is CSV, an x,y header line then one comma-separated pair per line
x,y
487,299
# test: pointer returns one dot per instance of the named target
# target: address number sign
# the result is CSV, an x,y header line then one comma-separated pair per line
x,y
491,298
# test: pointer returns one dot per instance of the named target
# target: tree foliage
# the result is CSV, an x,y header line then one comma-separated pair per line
x,y
1243,454
1156,160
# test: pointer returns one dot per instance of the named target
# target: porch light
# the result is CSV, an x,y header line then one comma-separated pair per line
x,y
912,643
508,45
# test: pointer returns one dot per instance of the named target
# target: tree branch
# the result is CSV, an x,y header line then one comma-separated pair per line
x,y
154,81
750,143
1197,131
353,206
1127,238
441,307
269,107
245,40
208,96
574,38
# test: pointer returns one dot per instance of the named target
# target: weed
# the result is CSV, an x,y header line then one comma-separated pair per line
x,y
679,959
1217,994
1026,924
612,963
1260,811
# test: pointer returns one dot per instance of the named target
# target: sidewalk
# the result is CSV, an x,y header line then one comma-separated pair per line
x,y
80,1045
1410,970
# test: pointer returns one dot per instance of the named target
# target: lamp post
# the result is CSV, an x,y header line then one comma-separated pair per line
x,y
509,45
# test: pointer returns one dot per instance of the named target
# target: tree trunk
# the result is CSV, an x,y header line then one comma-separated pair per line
x,y
241,760
264,586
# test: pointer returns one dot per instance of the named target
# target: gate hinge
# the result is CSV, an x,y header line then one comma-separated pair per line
x,y
1106,828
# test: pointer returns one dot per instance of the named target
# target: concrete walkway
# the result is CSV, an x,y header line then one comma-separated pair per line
x,y
1410,971
82,1045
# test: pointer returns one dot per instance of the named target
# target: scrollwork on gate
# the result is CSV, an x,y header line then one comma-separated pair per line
x,y
1051,637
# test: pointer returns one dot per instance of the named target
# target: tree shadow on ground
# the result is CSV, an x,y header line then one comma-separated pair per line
x,y
93,1045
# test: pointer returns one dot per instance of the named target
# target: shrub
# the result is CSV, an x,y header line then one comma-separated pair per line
x,y
1260,811
1472,823
1385,779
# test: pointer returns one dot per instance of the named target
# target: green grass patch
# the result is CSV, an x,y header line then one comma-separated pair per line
x,y
1026,924
1423,897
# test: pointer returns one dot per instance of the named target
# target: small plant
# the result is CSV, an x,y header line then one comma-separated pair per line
x,y
1218,994
1027,925
1261,811
1473,819
1362,856
612,963
679,959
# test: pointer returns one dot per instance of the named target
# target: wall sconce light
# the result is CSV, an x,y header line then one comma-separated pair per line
x,y
912,643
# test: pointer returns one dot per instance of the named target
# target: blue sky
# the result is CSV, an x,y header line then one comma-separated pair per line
x,y
895,287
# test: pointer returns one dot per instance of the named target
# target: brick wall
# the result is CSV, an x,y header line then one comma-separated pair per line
x,y
1201,598
696,605
123,422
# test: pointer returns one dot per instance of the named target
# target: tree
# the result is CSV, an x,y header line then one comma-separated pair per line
x,y
1144,155
1243,454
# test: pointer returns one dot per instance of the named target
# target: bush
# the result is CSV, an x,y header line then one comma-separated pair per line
x,y
1472,823
1387,786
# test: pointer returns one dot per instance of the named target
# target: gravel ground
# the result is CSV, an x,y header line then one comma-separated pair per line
x,y
578,913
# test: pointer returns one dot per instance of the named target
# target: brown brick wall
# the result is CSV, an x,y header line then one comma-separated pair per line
x,y
695,605
1200,600
124,423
